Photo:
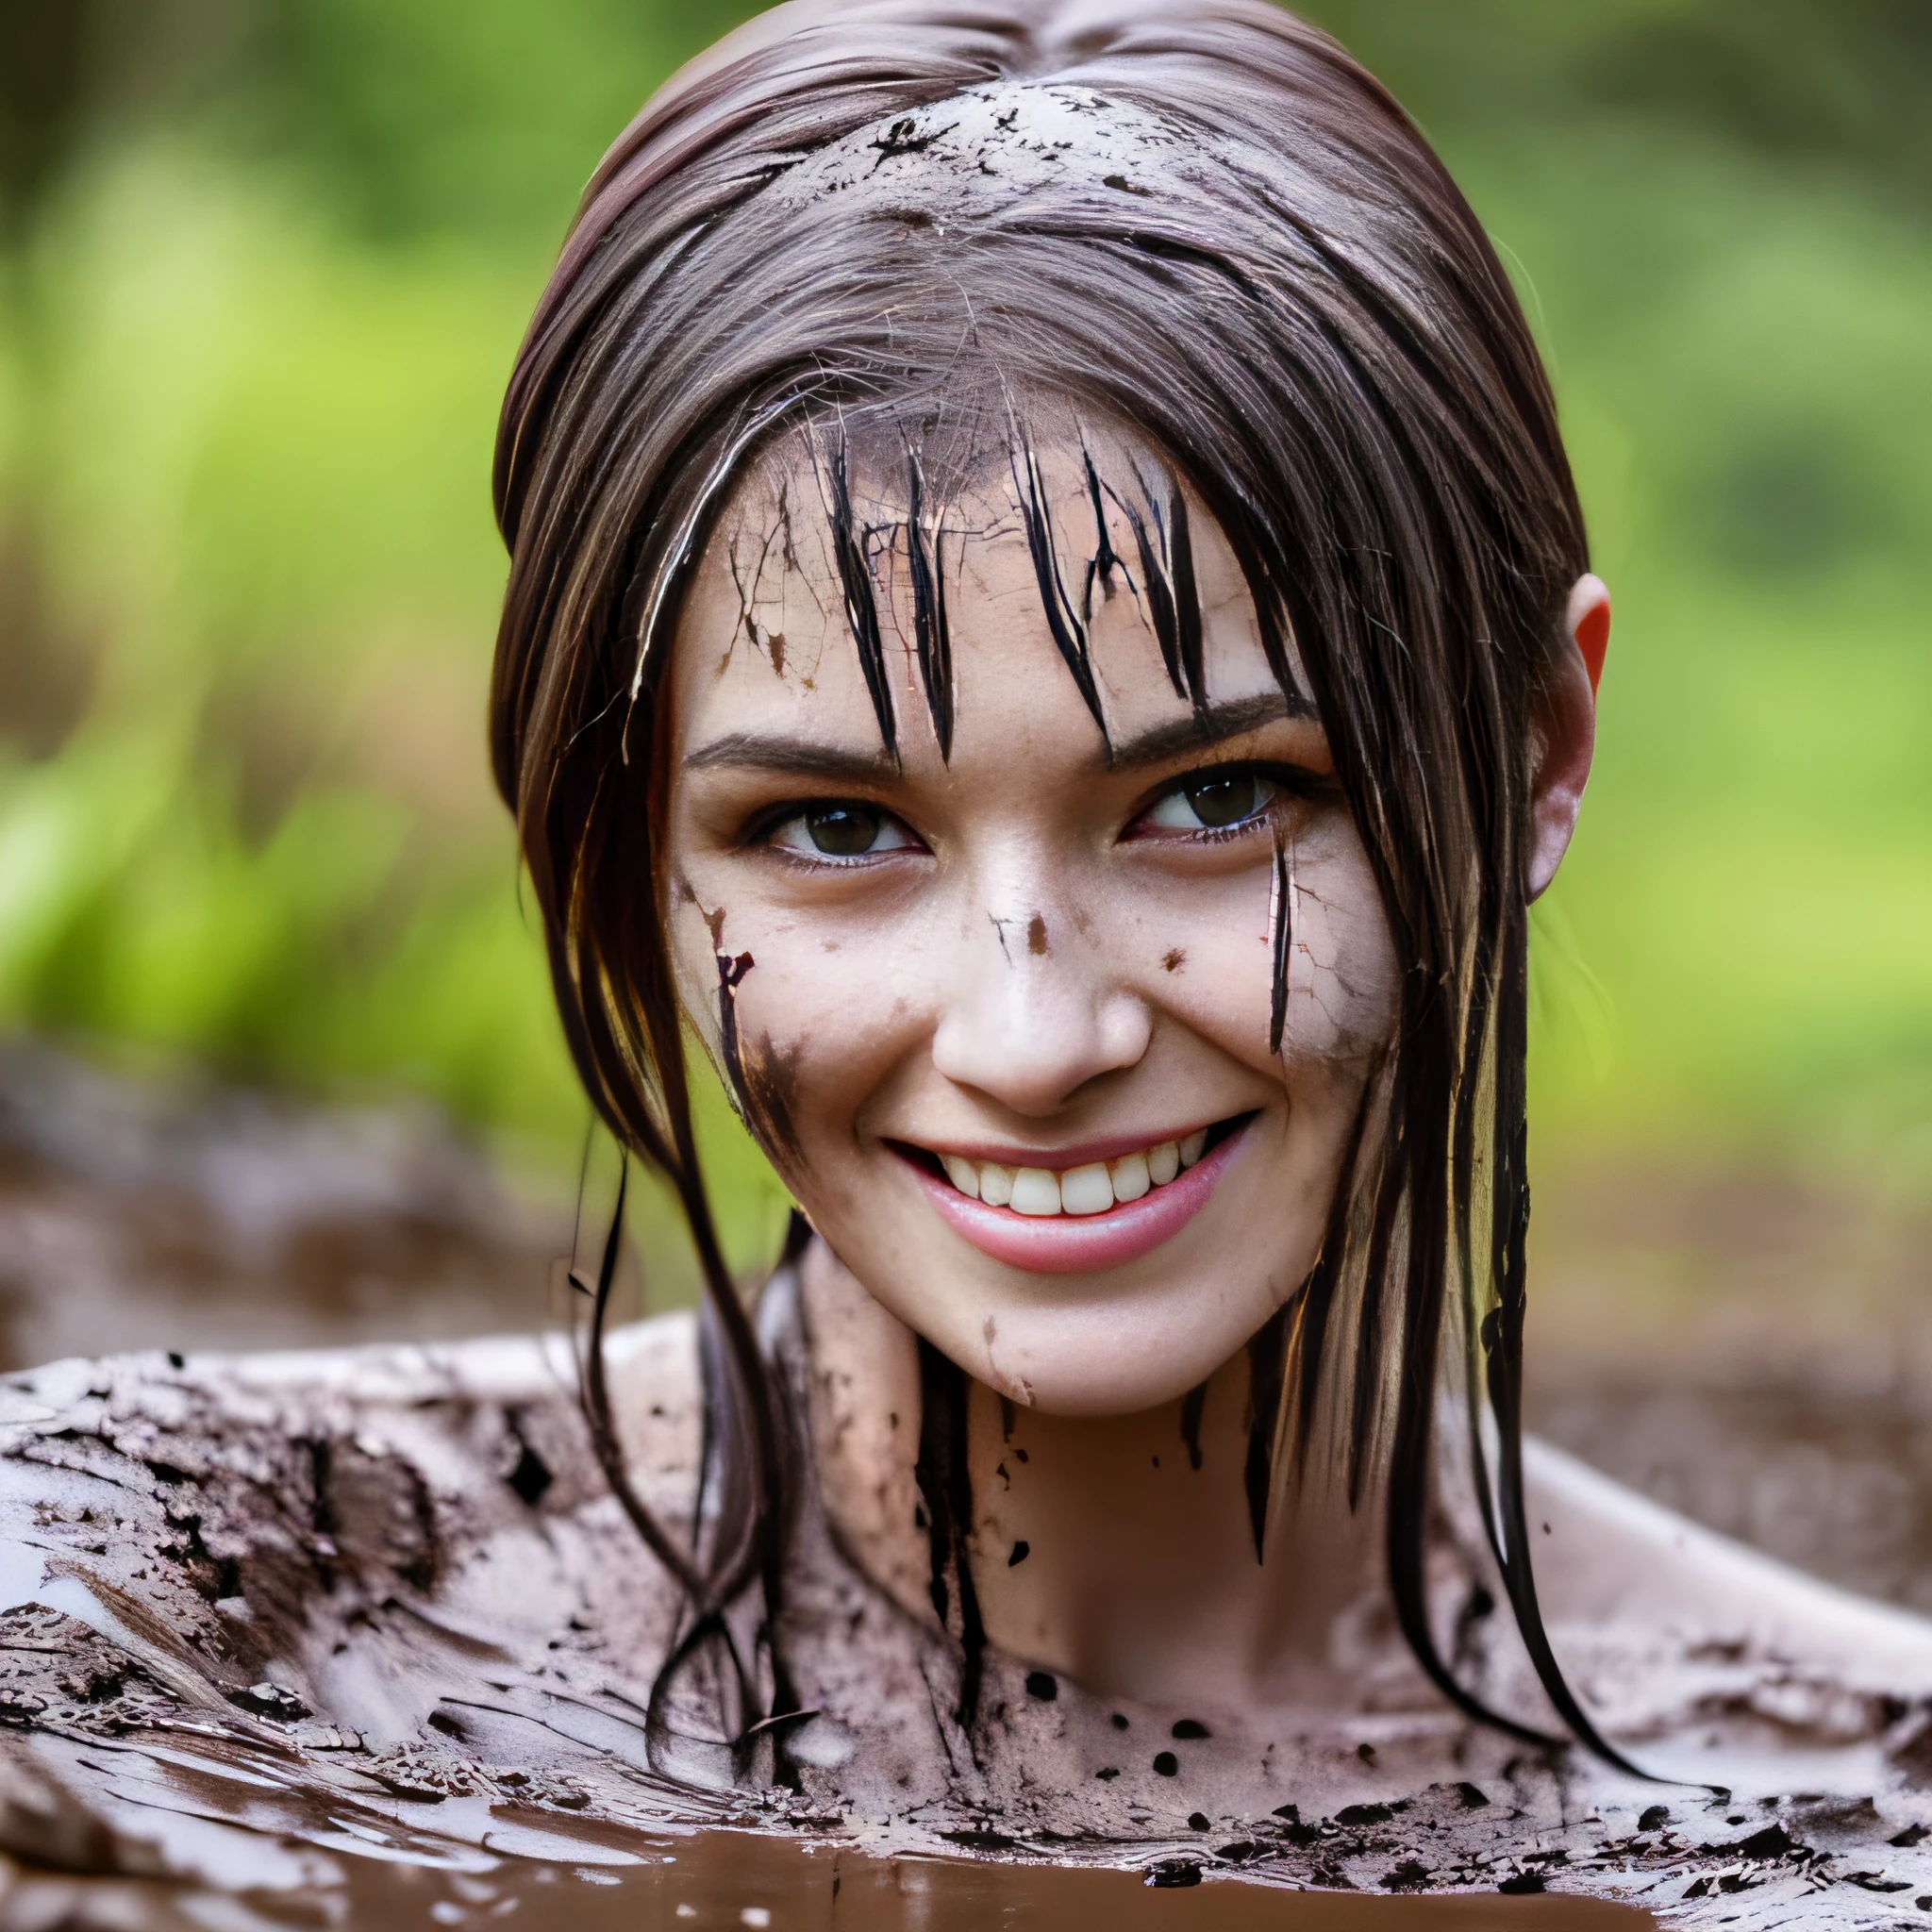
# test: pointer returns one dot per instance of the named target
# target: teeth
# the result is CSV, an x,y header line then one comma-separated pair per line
x,y
1087,1189
1036,1191
1039,1193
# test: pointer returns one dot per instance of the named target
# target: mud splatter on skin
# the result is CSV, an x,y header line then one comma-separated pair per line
x,y
1036,935
768,1078
763,1078
745,1087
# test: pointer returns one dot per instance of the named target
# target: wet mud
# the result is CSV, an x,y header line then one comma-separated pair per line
x,y
193,1218
739,1880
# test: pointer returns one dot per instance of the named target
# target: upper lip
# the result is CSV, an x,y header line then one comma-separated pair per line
x,y
1058,1159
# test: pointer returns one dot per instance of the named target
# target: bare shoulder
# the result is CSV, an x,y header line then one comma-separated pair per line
x,y
1705,1654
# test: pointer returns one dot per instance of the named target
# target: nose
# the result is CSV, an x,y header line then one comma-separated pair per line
x,y
1034,1014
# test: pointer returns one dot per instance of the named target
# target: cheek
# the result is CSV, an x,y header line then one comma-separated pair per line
x,y
808,1032
1344,983
1214,967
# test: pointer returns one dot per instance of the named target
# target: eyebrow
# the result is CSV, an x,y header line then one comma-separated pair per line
x,y
1210,725
800,758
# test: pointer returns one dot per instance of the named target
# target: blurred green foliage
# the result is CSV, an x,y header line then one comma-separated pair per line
x,y
263,266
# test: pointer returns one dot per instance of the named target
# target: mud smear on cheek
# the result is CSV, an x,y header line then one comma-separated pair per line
x,y
768,1078
763,1077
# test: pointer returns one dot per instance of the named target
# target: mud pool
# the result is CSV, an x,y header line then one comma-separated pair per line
x,y
1680,1344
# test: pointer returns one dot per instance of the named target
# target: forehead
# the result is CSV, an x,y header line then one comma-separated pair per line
x,y
1052,582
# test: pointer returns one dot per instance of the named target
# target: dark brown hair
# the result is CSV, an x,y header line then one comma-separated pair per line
x,y
1201,220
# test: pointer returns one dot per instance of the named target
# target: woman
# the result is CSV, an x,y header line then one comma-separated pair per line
x,y
1049,635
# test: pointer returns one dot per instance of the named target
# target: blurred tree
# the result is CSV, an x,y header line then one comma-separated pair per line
x,y
43,84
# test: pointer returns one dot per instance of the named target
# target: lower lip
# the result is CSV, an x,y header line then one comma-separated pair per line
x,y
1083,1244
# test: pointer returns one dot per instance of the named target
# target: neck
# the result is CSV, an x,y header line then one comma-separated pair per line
x,y
1117,1551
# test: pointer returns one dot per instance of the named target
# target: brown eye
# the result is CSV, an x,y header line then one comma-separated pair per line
x,y
1215,802
1225,800
843,831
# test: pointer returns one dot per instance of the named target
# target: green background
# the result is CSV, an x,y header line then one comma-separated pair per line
x,y
264,268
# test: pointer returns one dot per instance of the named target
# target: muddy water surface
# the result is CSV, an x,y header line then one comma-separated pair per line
x,y
1683,1343
719,1880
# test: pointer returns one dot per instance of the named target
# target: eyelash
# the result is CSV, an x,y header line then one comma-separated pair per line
x,y
1291,781
763,832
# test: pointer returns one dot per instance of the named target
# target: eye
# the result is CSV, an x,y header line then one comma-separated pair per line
x,y
840,830
1214,802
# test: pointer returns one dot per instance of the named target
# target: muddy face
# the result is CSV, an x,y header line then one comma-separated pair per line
x,y
1004,1017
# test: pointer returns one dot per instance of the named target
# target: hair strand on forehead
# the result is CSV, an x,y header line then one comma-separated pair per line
x,y
1103,563
1062,619
927,568
861,596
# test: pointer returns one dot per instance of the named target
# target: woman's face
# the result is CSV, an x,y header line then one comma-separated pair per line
x,y
1034,974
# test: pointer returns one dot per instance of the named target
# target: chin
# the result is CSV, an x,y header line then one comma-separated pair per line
x,y
1104,1356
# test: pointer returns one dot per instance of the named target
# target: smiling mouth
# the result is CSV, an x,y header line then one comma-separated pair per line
x,y
1085,1218
1046,1194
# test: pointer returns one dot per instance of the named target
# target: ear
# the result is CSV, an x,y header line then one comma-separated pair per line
x,y
1565,719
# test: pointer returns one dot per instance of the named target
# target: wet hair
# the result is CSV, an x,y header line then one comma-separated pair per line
x,y
910,230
